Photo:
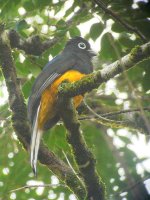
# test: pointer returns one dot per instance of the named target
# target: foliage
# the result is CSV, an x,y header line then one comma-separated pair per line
x,y
117,163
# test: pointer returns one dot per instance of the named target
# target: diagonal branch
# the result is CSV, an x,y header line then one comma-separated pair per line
x,y
134,121
115,123
83,156
94,80
114,113
20,122
122,22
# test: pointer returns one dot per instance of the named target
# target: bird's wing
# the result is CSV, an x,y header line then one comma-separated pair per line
x,y
51,71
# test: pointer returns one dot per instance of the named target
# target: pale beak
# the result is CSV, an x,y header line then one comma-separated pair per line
x,y
92,53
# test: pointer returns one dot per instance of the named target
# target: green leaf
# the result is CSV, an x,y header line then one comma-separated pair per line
x,y
57,48
29,6
146,82
74,31
21,25
117,27
61,33
125,139
96,30
109,48
33,68
56,139
22,69
41,4
61,24
27,88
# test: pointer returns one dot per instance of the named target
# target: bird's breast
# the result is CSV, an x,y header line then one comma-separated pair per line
x,y
48,108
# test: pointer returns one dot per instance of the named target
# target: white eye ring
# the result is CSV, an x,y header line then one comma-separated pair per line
x,y
82,45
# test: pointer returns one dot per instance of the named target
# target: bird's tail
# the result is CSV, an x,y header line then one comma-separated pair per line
x,y
35,143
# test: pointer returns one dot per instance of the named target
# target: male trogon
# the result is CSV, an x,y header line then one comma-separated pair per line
x,y
71,64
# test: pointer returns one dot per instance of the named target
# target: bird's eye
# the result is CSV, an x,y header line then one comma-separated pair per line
x,y
82,45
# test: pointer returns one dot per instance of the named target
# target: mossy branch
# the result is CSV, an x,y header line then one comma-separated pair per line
x,y
94,80
131,123
20,122
82,154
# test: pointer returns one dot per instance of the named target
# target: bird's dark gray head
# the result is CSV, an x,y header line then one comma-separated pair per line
x,y
80,46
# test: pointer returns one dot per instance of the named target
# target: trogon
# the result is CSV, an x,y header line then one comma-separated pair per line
x,y
73,63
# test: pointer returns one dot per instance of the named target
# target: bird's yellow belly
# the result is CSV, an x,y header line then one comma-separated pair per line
x,y
48,108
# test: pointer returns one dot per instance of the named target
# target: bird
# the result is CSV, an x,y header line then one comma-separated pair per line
x,y
72,64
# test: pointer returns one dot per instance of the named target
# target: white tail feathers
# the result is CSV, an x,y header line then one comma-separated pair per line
x,y
35,142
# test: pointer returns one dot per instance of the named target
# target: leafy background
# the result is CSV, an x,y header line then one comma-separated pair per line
x,y
122,155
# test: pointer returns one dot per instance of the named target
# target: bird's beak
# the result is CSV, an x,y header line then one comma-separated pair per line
x,y
92,53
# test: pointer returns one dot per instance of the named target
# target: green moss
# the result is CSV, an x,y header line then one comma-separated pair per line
x,y
74,182
80,87
136,53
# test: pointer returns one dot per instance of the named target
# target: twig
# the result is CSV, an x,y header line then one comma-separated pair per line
x,y
69,162
107,122
128,123
115,123
36,186
118,112
118,18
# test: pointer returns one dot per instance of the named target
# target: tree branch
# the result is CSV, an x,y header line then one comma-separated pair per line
x,y
127,123
33,45
83,156
94,80
37,186
122,22
133,122
20,122
114,113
